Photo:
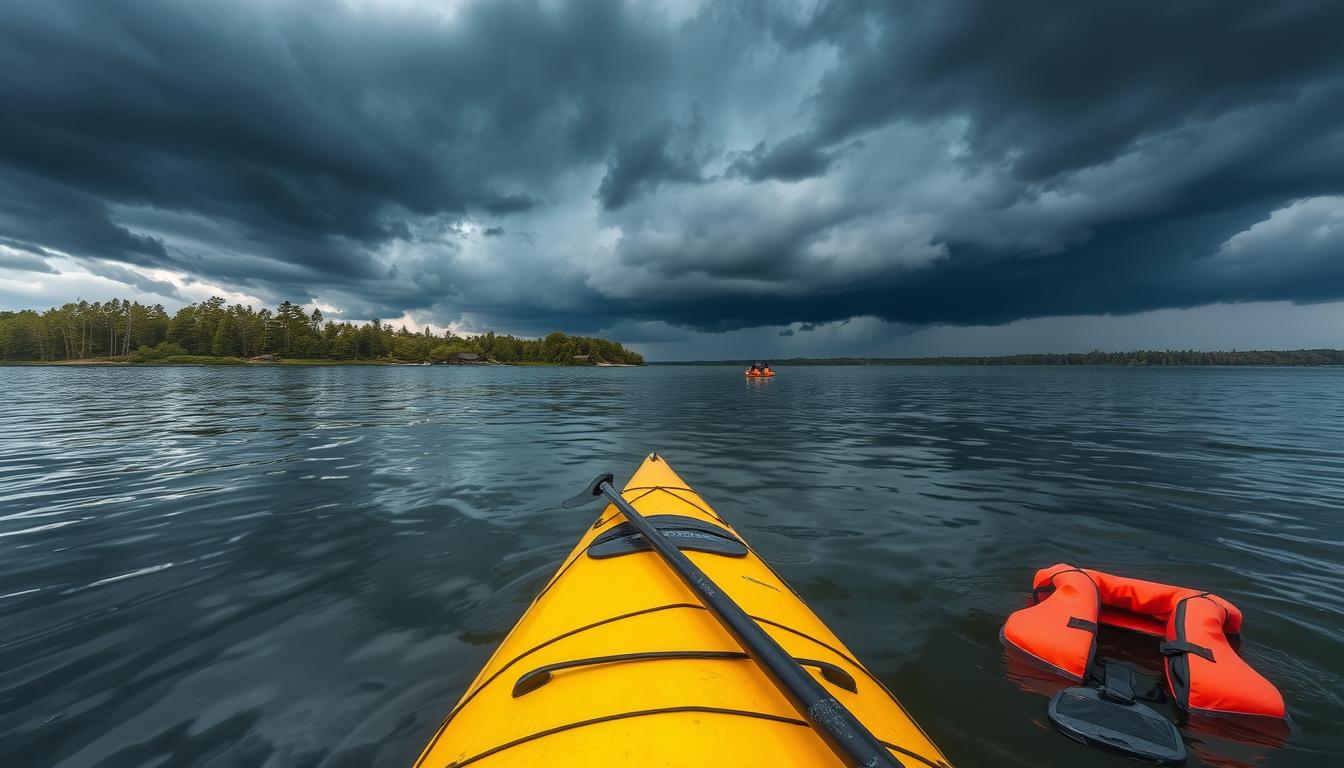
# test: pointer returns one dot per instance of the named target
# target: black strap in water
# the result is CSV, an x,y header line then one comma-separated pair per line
x,y
1177,647
1118,681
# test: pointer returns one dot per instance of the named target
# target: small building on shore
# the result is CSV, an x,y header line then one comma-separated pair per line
x,y
466,358
583,360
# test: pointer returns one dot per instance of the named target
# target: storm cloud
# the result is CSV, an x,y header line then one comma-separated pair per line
x,y
530,165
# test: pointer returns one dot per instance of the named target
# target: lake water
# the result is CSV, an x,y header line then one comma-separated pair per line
x,y
305,566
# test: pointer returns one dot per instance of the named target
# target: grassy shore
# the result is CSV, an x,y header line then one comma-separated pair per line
x,y
191,360
211,360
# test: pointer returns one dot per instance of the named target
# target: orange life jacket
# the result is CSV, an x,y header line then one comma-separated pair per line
x,y
1204,673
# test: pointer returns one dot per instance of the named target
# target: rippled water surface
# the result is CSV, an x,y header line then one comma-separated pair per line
x,y
305,566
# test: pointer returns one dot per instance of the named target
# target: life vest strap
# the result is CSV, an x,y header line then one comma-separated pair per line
x,y
1077,623
1120,680
1178,647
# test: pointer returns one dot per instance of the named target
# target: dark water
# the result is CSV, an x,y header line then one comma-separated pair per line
x,y
305,566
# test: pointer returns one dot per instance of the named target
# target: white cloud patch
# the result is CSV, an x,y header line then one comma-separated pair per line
x,y
74,279
1296,235
13,260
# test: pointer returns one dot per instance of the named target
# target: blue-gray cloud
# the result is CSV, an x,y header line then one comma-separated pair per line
x,y
24,262
667,154
715,167
793,159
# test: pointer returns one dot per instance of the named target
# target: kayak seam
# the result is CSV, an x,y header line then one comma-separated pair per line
x,y
665,711
624,716
668,490
466,698
707,509
574,558
859,667
823,644
702,506
915,755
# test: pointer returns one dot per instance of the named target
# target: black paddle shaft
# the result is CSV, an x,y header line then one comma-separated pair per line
x,y
848,738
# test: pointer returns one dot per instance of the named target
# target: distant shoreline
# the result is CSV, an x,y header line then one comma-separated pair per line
x,y
1141,358
1300,358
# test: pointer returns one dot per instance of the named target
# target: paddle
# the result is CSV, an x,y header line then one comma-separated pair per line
x,y
838,727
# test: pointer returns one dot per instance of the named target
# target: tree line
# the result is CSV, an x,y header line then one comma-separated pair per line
x,y
129,330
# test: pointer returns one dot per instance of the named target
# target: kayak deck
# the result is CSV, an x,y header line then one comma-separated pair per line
x,y
616,663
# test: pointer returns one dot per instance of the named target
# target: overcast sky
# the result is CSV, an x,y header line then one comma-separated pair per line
x,y
696,179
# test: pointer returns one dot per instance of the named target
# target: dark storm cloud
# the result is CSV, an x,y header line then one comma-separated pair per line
x,y
312,133
719,166
795,158
667,154
1224,115
502,205
1051,87
41,213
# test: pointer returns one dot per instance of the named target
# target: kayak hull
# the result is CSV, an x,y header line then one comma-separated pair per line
x,y
682,693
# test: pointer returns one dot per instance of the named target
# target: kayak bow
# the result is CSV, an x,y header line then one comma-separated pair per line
x,y
619,662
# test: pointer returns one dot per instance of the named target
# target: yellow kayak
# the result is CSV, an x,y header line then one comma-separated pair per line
x,y
616,663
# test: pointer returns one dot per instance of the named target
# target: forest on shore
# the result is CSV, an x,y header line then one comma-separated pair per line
x,y
1135,358
212,331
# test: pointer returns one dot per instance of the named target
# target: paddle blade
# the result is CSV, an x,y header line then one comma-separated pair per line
x,y
593,490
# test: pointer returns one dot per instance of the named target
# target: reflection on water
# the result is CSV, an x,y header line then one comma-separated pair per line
x,y
305,566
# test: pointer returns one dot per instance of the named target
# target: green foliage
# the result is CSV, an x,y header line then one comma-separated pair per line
x,y
556,348
212,331
223,344
158,352
81,330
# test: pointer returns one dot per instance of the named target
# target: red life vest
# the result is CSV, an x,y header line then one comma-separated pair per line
x,y
1204,674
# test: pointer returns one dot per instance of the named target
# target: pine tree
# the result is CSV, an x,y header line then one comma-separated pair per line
x,y
223,344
